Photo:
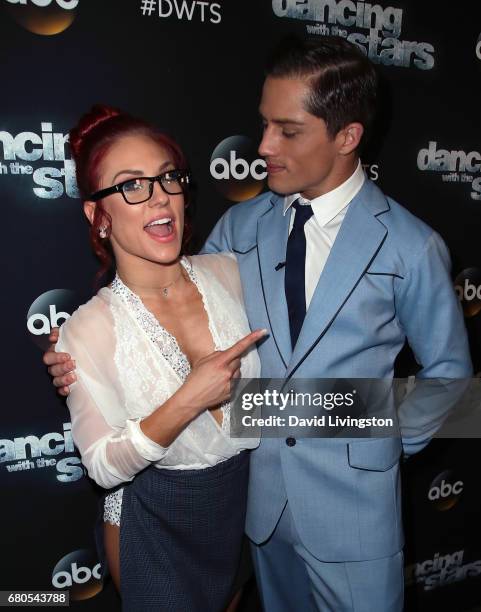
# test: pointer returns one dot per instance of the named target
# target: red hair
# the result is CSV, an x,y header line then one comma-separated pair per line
x,y
90,140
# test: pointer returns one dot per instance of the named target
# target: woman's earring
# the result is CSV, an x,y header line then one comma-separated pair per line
x,y
103,232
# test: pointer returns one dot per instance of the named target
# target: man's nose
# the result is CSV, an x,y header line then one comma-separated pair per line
x,y
267,144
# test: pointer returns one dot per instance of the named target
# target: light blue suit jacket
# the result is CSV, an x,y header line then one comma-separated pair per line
x,y
386,279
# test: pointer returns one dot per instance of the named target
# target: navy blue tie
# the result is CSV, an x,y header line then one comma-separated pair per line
x,y
295,272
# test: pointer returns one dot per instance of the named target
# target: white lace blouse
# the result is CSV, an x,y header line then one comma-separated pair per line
x,y
127,365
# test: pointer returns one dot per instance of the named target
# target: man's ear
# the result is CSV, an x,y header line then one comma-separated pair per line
x,y
349,138
89,210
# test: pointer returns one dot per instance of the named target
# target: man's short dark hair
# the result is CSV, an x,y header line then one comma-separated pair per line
x,y
343,82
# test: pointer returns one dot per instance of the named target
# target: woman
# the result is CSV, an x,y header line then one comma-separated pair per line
x,y
155,354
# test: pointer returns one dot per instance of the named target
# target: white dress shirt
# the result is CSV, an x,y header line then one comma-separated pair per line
x,y
322,228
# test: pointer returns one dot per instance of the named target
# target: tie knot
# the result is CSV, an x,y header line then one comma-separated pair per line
x,y
303,213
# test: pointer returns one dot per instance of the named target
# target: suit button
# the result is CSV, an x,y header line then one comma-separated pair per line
x,y
290,441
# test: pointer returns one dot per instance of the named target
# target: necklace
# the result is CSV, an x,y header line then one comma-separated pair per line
x,y
165,289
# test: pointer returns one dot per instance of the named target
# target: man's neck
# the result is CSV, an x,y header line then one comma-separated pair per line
x,y
333,181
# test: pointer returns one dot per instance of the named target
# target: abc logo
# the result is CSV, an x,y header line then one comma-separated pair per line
x,y
49,310
478,48
80,573
445,491
468,288
238,173
45,17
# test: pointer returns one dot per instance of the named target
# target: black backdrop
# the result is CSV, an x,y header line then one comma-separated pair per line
x,y
195,69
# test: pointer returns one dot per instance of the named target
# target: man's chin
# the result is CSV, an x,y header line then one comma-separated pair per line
x,y
279,187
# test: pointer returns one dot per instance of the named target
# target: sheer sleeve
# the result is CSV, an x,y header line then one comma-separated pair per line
x,y
113,447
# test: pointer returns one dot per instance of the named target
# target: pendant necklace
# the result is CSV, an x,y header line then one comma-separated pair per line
x,y
165,290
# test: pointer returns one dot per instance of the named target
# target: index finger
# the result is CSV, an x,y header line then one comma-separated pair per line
x,y
243,344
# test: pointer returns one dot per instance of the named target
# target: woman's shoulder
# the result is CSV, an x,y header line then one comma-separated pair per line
x,y
97,306
91,320
221,266
225,262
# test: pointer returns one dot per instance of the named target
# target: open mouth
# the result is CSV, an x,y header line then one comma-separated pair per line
x,y
161,228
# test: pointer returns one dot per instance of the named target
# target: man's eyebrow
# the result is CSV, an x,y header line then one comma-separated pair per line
x,y
287,122
284,121
139,172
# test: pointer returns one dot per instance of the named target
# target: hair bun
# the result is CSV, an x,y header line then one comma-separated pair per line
x,y
88,124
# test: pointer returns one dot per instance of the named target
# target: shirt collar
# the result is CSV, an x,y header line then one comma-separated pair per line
x,y
327,206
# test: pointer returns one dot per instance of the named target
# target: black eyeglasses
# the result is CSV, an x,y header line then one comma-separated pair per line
x,y
138,190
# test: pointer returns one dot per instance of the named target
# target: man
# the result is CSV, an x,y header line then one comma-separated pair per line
x,y
341,276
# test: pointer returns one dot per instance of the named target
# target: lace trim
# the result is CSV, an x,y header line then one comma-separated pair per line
x,y
164,340
113,507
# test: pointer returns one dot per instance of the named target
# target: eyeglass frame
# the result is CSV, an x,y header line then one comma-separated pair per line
x,y
118,188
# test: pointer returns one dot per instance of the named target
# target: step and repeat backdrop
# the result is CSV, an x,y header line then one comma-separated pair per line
x,y
194,68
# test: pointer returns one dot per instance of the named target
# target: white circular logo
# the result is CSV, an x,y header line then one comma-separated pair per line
x,y
238,172
80,573
445,490
51,309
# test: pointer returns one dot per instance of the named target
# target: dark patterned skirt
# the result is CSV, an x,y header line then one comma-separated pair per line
x,y
181,536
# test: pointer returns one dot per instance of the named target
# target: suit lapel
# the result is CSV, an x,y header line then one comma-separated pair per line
x,y
272,234
359,239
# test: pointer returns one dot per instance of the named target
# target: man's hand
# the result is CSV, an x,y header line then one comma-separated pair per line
x,y
60,365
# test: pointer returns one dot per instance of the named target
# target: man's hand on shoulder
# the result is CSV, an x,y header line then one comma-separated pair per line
x,y
60,365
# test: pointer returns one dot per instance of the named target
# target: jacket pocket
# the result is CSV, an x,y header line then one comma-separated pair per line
x,y
377,455
243,249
